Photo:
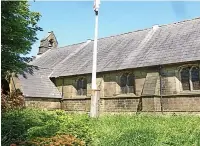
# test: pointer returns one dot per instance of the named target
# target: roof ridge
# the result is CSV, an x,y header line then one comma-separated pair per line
x,y
71,45
178,22
124,33
104,37
151,27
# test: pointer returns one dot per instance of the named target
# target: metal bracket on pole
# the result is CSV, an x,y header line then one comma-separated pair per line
x,y
96,12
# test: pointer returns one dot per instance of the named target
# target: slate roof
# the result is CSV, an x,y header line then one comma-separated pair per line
x,y
166,44
38,84
172,43
53,57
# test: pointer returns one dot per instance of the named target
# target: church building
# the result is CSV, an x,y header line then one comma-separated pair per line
x,y
151,70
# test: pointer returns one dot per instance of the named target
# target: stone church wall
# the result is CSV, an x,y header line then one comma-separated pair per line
x,y
147,97
43,103
183,103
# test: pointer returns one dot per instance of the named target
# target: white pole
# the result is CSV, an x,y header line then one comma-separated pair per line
x,y
94,67
94,98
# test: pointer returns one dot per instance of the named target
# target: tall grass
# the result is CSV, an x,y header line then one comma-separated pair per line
x,y
147,130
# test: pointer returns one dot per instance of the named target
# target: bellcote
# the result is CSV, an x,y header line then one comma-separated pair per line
x,y
47,43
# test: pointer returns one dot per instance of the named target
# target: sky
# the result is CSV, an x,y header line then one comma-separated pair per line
x,y
73,21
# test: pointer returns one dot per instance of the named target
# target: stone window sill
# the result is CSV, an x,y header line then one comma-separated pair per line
x,y
121,96
79,96
190,92
125,95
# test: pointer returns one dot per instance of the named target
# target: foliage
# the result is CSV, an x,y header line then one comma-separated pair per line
x,y
32,125
62,123
13,101
4,102
18,28
66,140
29,124
15,124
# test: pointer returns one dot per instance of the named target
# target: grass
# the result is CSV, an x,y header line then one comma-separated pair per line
x,y
108,130
147,130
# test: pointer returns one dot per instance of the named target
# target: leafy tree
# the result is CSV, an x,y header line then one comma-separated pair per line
x,y
18,33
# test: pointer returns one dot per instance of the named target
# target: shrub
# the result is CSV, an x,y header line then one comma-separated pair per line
x,y
28,124
13,101
65,140
4,102
63,123
15,124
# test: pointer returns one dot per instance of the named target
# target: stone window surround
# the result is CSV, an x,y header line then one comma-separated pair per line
x,y
127,94
190,81
78,78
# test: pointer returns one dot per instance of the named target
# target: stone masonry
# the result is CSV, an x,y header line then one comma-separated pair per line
x,y
148,96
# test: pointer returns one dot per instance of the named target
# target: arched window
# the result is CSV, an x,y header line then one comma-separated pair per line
x,y
195,78
185,78
190,78
82,86
127,83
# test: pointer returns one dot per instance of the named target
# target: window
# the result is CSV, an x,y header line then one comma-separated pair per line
x,y
81,86
190,78
185,78
195,78
127,83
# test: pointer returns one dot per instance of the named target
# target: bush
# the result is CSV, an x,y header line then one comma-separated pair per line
x,y
13,101
15,124
65,140
28,124
4,102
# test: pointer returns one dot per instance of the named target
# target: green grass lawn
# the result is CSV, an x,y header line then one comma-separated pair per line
x,y
108,130
147,130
